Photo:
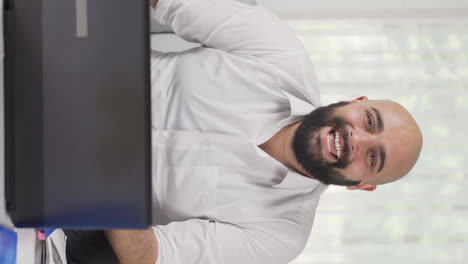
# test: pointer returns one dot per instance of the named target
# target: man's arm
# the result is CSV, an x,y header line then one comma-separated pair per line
x,y
227,25
134,246
239,29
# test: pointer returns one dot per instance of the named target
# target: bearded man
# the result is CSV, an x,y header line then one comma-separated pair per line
x,y
242,149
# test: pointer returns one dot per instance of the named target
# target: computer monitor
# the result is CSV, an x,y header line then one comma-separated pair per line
x,y
77,113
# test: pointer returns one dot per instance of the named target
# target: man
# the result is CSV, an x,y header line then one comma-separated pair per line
x,y
241,154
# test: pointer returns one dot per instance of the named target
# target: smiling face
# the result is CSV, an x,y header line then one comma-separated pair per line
x,y
361,144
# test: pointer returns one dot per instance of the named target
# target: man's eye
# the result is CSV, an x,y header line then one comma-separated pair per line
x,y
372,159
369,122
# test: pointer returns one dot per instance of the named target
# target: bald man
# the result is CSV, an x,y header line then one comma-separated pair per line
x,y
357,144
242,148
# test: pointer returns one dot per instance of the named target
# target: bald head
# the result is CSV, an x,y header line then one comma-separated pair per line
x,y
402,138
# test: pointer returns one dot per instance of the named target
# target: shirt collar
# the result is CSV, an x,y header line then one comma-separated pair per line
x,y
299,107
294,180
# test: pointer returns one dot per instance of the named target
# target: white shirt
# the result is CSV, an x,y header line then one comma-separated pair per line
x,y
217,197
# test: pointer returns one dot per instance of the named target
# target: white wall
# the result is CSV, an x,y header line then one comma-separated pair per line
x,y
310,9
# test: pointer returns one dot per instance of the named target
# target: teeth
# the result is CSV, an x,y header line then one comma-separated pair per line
x,y
337,144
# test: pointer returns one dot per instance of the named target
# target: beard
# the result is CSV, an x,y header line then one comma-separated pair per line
x,y
307,146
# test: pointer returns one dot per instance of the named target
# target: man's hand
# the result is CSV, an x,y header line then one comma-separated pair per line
x,y
134,246
153,3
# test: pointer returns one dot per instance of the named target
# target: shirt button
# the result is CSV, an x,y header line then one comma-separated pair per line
x,y
158,136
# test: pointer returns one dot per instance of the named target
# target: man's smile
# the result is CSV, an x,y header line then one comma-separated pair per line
x,y
332,144
333,141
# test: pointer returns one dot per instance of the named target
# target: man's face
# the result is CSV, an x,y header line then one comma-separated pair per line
x,y
373,142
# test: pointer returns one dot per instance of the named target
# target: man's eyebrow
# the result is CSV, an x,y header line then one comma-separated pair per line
x,y
382,158
380,125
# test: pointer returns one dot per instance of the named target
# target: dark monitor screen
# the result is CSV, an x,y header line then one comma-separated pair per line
x,y
77,113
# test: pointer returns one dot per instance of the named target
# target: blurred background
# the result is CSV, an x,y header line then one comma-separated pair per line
x,y
416,53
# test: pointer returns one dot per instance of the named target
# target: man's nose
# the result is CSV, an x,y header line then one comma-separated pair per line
x,y
360,140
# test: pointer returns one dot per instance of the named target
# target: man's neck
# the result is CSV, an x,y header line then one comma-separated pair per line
x,y
280,147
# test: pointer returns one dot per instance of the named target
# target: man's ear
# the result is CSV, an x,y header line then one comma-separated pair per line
x,y
360,98
363,187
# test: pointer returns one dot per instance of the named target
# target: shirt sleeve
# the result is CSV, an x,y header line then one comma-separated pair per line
x,y
227,25
208,242
239,29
